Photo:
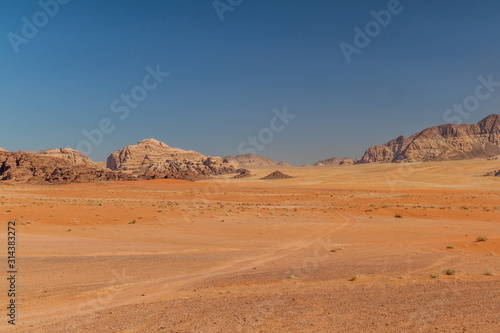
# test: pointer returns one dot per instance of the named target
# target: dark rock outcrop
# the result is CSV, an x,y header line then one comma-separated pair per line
x,y
495,173
243,173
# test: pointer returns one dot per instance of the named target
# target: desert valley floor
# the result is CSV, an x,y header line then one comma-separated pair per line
x,y
334,249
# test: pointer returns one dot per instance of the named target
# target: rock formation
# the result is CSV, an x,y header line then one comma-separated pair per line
x,y
67,154
283,164
334,161
24,167
243,173
276,175
445,142
495,173
251,160
2,150
154,159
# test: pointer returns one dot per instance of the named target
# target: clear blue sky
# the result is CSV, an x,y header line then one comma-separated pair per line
x,y
226,77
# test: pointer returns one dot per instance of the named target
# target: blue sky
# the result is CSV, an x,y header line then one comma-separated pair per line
x,y
226,77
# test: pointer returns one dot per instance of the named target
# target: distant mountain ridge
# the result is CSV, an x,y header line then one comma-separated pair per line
x,y
334,161
439,143
151,158
252,160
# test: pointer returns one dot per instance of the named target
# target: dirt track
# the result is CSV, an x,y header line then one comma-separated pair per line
x,y
250,255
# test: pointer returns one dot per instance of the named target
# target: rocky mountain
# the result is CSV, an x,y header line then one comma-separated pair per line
x,y
334,161
283,164
155,159
67,154
252,160
445,142
25,167
2,150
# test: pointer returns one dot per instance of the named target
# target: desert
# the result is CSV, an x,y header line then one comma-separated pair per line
x,y
367,247
250,166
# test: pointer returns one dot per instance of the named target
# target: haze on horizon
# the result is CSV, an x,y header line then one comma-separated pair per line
x,y
232,69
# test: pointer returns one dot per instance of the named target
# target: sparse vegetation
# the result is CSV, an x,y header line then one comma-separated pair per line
x,y
354,278
434,275
481,239
450,246
398,216
489,272
449,271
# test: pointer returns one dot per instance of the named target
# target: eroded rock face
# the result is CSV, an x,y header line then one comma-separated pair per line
x,y
252,160
24,167
334,161
67,154
445,142
157,160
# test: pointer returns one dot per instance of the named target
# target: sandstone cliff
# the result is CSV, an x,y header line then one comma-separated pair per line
x,y
67,154
445,142
24,167
155,159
